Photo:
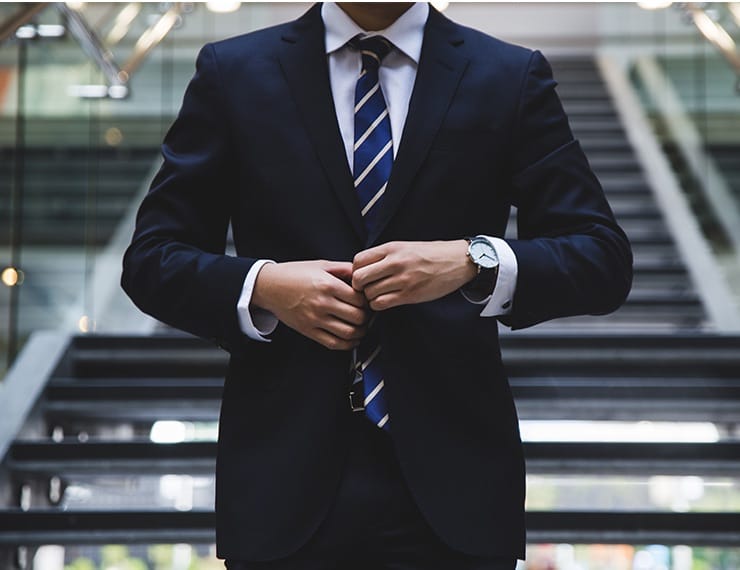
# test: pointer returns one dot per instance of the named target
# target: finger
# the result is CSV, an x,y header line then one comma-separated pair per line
x,y
335,287
350,314
372,255
387,301
342,329
340,269
348,295
377,271
382,287
333,342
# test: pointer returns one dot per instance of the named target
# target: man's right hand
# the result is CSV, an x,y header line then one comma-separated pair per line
x,y
316,299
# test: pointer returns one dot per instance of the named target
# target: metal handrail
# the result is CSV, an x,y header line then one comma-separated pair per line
x,y
26,380
117,76
40,527
21,17
92,45
716,34
151,38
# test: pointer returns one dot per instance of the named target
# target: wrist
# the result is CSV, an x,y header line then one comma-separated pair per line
x,y
264,284
469,269
483,256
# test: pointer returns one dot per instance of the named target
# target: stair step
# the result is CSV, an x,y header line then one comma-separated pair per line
x,y
549,457
151,526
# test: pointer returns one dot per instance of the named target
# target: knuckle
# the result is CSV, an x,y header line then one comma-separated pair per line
x,y
323,286
344,333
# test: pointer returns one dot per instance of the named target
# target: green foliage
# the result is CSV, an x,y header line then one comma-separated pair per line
x,y
81,564
160,556
118,557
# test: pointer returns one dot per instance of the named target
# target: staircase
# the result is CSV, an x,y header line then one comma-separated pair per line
x,y
662,297
72,196
83,468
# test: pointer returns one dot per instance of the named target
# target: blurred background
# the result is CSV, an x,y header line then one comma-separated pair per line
x,y
108,419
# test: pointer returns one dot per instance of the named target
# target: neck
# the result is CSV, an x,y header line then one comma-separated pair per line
x,y
374,16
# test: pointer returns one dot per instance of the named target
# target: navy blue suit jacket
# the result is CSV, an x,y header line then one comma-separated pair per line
x,y
257,144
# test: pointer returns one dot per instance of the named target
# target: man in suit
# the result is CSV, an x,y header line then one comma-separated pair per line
x,y
367,157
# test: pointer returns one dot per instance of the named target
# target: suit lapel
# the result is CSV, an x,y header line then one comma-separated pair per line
x,y
440,68
303,60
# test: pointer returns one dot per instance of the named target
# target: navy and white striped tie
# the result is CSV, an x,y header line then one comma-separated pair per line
x,y
373,160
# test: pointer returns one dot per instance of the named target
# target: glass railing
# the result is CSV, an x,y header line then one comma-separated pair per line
x,y
690,91
673,74
695,111
71,168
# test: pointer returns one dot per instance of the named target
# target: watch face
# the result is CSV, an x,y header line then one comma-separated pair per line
x,y
483,253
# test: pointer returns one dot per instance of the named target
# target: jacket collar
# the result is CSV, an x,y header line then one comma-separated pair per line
x,y
441,66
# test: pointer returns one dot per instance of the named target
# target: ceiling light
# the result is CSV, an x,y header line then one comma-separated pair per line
x,y
11,276
654,4
117,91
222,6
26,32
50,30
88,91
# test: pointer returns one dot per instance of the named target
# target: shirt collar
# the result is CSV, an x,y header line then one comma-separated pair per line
x,y
406,33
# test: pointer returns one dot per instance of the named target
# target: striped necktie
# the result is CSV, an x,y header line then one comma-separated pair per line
x,y
373,160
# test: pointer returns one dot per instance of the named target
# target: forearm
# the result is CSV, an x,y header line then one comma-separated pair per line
x,y
185,287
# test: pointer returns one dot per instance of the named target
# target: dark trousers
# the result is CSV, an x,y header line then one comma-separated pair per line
x,y
374,523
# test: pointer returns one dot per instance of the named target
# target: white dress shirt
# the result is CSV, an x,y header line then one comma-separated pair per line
x,y
397,75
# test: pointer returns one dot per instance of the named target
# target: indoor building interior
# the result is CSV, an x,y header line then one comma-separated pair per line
x,y
109,419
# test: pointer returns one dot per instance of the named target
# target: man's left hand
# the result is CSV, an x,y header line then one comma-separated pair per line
x,y
405,272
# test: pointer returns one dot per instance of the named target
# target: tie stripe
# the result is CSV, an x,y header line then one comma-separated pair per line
x,y
372,164
366,97
375,391
370,129
373,160
374,199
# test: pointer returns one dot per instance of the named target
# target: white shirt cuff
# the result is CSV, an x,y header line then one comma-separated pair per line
x,y
256,323
500,301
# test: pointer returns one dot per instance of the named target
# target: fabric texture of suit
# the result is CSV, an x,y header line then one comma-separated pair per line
x,y
257,144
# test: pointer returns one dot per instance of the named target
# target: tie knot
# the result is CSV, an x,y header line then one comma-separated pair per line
x,y
373,49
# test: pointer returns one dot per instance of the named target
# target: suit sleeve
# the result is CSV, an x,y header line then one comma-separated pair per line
x,y
572,256
175,268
